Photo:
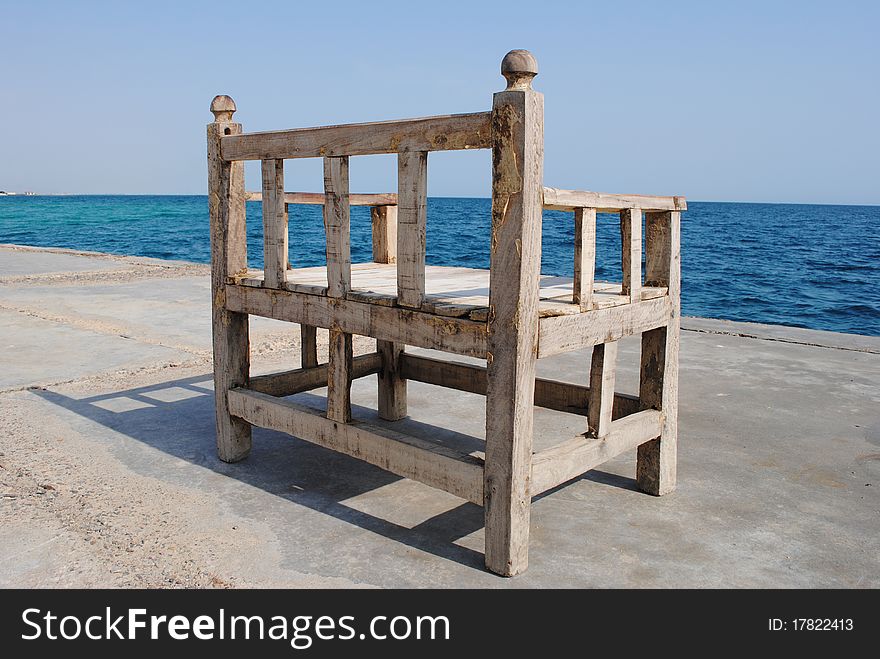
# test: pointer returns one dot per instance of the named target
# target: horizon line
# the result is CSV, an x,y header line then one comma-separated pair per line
x,y
30,194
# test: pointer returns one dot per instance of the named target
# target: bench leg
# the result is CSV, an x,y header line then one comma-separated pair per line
x,y
226,208
658,389
308,346
392,386
339,376
603,367
512,327
231,369
508,467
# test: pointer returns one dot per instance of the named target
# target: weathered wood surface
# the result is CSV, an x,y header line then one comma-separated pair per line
x,y
658,382
456,335
400,301
450,291
337,226
296,381
452,375
339,376
603,367
226,207
515,264
412,209
658,245
443,133
577,456
317,198
603,202
275,252
308,346
384,225
560,334
392,384
631,252
435,465
551,394
554,199
584,257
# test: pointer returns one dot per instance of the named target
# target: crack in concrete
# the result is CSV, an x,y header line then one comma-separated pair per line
x,y
744,335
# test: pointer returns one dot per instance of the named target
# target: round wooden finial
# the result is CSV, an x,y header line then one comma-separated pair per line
x,y
223,108
519,67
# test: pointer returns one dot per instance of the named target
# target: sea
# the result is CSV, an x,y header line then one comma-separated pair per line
x,y
813,266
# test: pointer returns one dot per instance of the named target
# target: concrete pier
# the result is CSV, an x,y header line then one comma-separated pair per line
x,y
109,474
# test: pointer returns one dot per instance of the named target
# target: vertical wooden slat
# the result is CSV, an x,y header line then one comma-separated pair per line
x,y
515,266
339,376
602,374
631,248
384,221
308,335
412,199
337,222
658,242
308,346
658,380
337,225
392,385
226,207
584,256
274,225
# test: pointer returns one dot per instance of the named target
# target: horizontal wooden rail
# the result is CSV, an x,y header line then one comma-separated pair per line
x,y
569,200
432,464
287,383
445,133
558,334
414,328
551,394
317,198
557,465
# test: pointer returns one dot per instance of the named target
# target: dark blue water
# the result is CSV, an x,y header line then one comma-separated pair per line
x,y
803,265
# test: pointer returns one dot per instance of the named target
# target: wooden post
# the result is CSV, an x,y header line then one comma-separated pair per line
x,y
308,346
339,378
584,256
602,375
337,223
631,248
515,266
274,225
308,338
226,207
658,382
392,385
384,221
412,200
658,243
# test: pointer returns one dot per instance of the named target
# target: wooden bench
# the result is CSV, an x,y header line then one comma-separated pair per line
x,y
514,318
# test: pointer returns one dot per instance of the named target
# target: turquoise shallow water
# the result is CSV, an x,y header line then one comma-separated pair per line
x,y
810,266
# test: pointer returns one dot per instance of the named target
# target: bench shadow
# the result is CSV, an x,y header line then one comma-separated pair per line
x,y
177,418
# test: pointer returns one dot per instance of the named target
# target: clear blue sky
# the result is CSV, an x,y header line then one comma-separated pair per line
x,y
749,101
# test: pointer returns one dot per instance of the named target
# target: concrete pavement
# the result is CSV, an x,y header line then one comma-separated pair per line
x,y
109,474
